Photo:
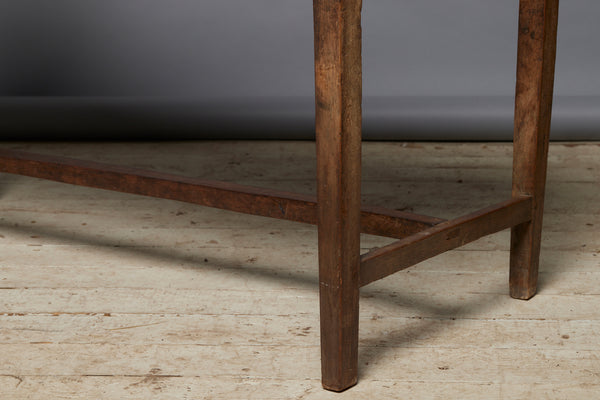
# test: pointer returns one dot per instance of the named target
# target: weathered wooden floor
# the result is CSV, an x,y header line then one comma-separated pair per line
x,y
113,296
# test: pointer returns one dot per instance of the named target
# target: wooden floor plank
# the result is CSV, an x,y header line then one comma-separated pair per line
x,y
288,301
249,277
296,330
177,388
263,362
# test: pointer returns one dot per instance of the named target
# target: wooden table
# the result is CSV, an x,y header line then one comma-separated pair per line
x,y
337,207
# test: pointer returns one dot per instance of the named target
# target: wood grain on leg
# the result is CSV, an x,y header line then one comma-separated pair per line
x,y
533,106
338,128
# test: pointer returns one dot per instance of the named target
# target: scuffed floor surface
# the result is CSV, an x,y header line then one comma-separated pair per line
x,y
112,296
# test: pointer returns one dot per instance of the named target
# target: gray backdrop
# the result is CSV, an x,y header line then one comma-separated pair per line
x,y
433,69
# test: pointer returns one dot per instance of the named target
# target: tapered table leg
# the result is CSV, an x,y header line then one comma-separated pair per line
x,y
338,130
533,106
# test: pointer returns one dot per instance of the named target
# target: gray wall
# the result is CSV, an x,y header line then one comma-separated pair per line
x,y
432,69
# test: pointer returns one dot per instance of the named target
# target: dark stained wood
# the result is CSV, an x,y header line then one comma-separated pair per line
x,y
229,196
533,106
382,221
400,255
338,129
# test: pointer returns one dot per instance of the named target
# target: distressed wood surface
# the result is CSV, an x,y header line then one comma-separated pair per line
x,y
155,385
538,20
292,330
431,242
101,283
338,121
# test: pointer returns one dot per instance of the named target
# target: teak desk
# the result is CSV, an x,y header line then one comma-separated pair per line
x,y
336,209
